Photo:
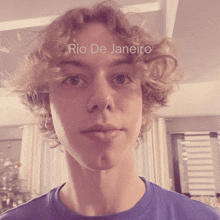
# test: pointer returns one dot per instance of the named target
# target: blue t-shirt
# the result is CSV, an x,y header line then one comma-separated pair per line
x,y
156,204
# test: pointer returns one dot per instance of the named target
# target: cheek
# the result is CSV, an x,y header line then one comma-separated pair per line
x,y
131,102
65,103
131,108
66,117
62,111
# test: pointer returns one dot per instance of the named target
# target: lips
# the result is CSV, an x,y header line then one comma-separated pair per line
x,y
101,128
102,133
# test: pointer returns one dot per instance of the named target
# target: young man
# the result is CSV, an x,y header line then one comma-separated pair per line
x,y
94,82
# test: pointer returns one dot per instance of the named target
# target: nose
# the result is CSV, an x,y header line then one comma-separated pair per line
x,y
101,96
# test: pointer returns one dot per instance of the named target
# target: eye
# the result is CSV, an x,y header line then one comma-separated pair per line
x,y
122,79
74,80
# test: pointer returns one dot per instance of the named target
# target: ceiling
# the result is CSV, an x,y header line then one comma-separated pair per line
x,y
197,35
194,26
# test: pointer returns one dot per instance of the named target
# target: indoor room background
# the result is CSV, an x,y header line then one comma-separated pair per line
x,y
181,151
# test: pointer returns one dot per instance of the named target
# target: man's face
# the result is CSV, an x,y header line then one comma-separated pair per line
x,y
97,108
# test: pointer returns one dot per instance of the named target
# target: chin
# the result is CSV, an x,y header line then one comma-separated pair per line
x,y
99,167
103,162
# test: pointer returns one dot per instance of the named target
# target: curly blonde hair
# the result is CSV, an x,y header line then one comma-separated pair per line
x,y
158,70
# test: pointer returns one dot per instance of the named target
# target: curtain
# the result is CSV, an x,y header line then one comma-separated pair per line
x,y
152,155
42,168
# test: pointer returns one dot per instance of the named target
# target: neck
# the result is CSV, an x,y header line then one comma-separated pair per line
x,y
94,193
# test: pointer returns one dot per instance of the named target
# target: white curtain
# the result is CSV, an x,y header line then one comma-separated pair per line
x,y
152,155
43,168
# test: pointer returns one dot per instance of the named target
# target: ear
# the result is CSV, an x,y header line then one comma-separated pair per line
x,y
49,123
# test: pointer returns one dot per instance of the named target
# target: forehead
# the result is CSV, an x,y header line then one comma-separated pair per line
x,y
96,33
94,44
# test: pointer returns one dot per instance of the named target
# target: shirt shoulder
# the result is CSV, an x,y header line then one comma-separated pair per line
x,y
182,207
36,209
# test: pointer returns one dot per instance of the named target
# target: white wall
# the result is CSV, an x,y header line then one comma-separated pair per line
x,y
194,99
12,111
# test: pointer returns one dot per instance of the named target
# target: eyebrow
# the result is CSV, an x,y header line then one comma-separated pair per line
x,y
75,63
120,62
81,64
